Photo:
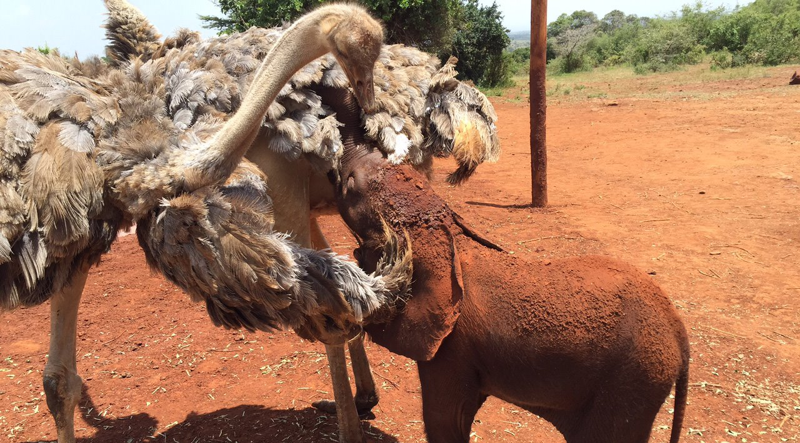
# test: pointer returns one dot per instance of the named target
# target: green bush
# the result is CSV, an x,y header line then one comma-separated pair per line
x,y
517,62
655,67
551,50
764,32
721,60
732,31
699,22
566,64
498,72
774,39
665,45
520,55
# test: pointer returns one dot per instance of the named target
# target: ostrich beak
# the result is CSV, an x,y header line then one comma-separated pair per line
x,y
364,89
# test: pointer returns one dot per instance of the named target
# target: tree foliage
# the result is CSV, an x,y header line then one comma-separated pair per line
x,y
764,32
571,44
479,44
406,21
463,28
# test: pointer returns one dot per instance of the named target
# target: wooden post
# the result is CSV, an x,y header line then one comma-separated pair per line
x,y
538,76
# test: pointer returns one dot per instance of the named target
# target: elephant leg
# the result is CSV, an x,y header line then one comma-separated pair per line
x,y
62,385
349,424
450,399
366,394
617,415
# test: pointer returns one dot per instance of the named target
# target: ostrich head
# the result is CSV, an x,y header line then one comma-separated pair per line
x,y
355,39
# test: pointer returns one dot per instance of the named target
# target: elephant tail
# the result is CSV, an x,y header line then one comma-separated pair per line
x,y
681,392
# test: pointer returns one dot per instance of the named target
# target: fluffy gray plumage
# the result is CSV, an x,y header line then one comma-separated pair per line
x,y
423,110
84,156
226,253
132,31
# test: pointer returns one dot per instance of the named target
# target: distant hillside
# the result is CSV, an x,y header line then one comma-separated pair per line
x,y
520,39
520,35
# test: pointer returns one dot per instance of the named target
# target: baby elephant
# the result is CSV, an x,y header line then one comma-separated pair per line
x,y
588,343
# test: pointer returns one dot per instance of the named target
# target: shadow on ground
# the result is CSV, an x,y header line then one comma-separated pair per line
x,y
496,205
242,424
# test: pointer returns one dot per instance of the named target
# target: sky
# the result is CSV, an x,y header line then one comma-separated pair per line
x,y
75,25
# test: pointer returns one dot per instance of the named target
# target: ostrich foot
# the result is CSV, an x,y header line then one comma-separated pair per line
x,y
63,391
366,394
364,405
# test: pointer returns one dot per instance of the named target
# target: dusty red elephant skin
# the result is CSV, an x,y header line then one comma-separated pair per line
x,y
588,343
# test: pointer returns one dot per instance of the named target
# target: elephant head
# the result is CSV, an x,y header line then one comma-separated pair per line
x,y
373,194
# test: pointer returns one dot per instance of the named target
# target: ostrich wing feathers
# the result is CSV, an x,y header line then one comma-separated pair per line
x,y
50,184
219,246
423,110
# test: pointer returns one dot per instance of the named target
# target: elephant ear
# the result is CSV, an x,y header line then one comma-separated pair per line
x,y
431,313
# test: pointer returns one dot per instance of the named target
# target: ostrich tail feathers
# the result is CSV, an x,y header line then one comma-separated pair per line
x,y
371,298
396,269
462,174
129,33
461,124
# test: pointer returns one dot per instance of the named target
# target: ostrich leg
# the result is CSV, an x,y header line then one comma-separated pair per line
x,y
289,188
346,415
62,385
366,394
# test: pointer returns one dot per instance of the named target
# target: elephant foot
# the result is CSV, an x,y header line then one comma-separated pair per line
x,y
364,405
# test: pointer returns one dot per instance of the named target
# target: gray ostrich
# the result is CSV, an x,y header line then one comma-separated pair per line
x,y
86,150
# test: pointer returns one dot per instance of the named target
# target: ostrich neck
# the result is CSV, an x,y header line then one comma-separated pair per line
x,y
348,112
300,44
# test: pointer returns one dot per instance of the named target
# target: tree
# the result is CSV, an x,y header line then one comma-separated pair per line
x,y
410,22
612,21
562,23
700,21
576,20
570,46
583,18
479,44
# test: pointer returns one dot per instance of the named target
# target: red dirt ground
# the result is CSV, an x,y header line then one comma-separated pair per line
x,y
697,183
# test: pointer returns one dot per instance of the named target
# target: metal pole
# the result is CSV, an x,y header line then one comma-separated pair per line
x,y
538,77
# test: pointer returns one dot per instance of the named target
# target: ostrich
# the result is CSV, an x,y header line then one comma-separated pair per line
x,y
421,111
87,150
